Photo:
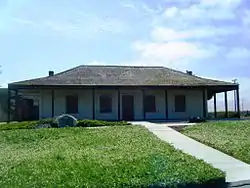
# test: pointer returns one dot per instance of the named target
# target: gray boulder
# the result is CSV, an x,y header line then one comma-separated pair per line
x,y
42,126
66,120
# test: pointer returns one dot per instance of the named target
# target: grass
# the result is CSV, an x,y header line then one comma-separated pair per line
x,y
119,156
231,137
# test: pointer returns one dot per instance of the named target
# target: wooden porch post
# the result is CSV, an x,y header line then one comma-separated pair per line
x,y
16,106
215,106
9,110
143,104
166,103
93,102
52,103
205,103
119,105
238,101
226,105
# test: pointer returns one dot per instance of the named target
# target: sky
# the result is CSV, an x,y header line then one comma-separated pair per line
x,y
209,37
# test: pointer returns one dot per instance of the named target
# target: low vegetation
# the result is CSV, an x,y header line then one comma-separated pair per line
x,y
54,124
231,137
117,156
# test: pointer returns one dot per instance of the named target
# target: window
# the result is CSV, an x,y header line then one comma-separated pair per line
x,y
72,104
180,103
105,104
149,102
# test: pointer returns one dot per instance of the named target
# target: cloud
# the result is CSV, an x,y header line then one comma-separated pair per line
x,y
169,34
141,7
128,5
205,9
246,18
170,51
238,54
79,25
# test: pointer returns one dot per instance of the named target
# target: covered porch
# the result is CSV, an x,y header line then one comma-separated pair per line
x,y
32,95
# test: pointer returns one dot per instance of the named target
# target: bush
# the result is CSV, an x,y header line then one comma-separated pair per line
x,y
19,125
221,114
100,123
50,121
196,120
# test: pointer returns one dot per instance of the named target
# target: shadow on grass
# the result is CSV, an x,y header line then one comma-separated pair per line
x,y
215,183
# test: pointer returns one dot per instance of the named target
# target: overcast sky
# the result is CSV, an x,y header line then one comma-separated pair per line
x,y
209,37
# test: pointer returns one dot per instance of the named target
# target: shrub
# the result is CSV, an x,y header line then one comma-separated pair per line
x,y
50,121
99,123
221,114
19,125
196,120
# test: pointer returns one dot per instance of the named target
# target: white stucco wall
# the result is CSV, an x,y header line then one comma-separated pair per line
x,y
3,114
194,104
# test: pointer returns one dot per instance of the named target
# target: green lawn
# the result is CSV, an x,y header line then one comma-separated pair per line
x,y
119,156
231,137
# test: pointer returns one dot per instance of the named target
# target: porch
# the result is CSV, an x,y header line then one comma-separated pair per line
x,y
116,103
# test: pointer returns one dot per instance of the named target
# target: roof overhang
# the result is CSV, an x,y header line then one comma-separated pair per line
x,y
211,88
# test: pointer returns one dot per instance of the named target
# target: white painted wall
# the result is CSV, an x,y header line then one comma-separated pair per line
x,y
194,104
45,109
3,114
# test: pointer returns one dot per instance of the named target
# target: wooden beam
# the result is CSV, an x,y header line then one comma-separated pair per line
x,y
119,105
205,103
166,103
238,101
226,106
143,104
9,106
16,106
215,106
93,102
52,103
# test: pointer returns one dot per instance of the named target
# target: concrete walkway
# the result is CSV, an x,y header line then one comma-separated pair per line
x,y
237,172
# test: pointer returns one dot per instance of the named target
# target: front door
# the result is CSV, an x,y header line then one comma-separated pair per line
x,y
128,107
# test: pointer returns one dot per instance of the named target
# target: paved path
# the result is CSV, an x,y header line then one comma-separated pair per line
x,y
237,172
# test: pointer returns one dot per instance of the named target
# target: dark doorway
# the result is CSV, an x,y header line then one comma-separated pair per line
x,y
128,107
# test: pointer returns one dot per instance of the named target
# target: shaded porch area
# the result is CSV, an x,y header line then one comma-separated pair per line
x,y
24,103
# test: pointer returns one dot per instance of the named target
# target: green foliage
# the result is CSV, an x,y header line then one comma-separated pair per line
x,y
54,124
100,123
118,156
50,121
221,114
18,125
231,137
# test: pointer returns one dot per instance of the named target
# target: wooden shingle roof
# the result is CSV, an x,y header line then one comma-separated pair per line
x,y
87,75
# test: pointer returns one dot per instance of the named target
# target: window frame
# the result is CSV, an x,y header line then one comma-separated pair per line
x,y
180,108
150,104
109,104
70,109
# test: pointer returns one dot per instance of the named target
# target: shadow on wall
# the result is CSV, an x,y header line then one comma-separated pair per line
x,y
3,104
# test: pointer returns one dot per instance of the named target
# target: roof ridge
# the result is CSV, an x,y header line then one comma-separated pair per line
x,y
132,66
68,70
108,66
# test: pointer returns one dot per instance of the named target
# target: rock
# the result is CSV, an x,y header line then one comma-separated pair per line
x,y
41,126
66,120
